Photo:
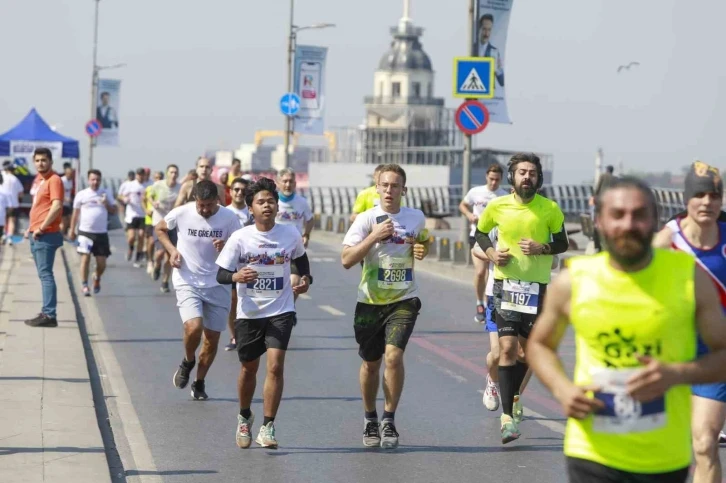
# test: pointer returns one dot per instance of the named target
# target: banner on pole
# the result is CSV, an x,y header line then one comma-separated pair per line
x,y
107,111
490,36
309,82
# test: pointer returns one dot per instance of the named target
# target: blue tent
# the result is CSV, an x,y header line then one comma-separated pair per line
x,y
34,128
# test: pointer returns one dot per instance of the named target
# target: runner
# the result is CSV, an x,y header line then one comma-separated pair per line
x,y
367,198
293,209
472,206
131,194
635,312
203,228
163,197
13,188
239,207
148,203
387,239
91,207
235,172
701,235
68,185
203,172
5,203
530,231
258,259
130,177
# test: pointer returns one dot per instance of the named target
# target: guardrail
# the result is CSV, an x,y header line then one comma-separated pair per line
x,y
441,201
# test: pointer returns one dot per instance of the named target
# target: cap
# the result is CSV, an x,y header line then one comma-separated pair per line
x,y
247,177
702,178
7,164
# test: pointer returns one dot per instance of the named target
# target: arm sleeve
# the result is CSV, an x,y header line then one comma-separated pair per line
x,y
560,243
483,240
224,276
303,264
56,189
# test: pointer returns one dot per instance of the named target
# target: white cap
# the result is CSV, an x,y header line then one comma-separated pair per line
x,y
247,177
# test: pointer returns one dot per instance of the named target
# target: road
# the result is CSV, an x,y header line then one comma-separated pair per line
x,y
446,433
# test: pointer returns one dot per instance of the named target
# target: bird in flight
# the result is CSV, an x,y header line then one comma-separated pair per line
x,y
627,67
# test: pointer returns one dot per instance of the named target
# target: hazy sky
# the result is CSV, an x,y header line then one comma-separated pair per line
x,y
207,74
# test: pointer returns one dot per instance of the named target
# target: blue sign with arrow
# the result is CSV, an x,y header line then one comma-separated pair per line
x,y
290,104
474,77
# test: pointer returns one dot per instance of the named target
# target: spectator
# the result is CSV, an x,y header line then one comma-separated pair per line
x,y
45,235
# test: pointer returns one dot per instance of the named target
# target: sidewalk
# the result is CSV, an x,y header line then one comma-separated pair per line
x,y
48,426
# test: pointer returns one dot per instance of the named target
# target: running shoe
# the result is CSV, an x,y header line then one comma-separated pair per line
x,y
164,287
181,376
96,284
244,431
86,291
389,435
372,434
491,395
517,409
510,432
480,316
157,273
231,346
137,264
129,255
198,392
266,436
150,268
722,438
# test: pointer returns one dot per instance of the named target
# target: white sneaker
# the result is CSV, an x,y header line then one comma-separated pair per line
x,y
244,431
266,436
722,438
491,396
150,268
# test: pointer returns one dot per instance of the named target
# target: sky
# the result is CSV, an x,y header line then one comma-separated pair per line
x,y
206,75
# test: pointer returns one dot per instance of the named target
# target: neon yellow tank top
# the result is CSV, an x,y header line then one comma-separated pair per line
x,y
616,315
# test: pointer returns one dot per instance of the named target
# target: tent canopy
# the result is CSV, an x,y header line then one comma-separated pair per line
x,y
34,128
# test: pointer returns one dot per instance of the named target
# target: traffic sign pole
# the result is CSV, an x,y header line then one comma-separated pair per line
x,y
466,162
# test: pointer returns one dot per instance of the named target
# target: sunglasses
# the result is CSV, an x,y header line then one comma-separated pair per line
x,y
237,189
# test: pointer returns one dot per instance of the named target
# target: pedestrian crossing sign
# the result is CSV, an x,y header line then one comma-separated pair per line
x,y
474,77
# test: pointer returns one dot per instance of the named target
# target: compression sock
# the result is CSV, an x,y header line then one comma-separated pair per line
x,y
507,387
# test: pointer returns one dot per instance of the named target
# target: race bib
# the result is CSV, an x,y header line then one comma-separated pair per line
x,y
269,282
395,273
84,244
623,414
520,296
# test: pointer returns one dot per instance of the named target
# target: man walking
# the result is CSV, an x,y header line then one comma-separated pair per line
x,y
45,235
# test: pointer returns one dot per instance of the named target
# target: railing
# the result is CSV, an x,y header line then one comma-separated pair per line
x,y
443,200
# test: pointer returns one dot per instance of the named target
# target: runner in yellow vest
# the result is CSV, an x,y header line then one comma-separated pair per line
x,y
635,312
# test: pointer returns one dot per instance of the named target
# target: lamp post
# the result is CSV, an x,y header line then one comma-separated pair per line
x,y
291,43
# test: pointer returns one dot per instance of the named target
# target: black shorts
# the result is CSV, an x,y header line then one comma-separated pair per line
x,y
12,212
472,242
511,323
376,326
149,230
101,247
67,210
255,336
136,223
293,269
584,471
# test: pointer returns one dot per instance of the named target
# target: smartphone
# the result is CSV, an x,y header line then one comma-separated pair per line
x,y
381,219
310,85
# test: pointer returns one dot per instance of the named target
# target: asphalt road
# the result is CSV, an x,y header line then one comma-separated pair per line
x,y
446,433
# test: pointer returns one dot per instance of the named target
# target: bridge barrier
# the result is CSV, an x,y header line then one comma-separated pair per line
x,y
444,250
460,253
318,221
432,246
328,223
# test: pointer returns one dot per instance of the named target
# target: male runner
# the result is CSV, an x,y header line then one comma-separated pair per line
x,y
148,223
258,259
68,182
91,207
202,228
635,312
367,198
131,194
204,172
238,207
163,196
13,188
530,231
702,236
387,239
472,206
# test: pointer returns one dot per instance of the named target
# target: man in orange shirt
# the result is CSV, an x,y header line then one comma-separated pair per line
x,y
45,235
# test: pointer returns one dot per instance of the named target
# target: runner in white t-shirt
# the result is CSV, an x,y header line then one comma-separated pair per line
x,y
131,194
163,196
387,238
202,227
240,208
472,206
258,258
91,208
68,182
4,206
12,187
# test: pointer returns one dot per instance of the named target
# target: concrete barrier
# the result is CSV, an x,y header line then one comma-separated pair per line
x,y
328,223
460,255
318,221
444,250
342,226
432,246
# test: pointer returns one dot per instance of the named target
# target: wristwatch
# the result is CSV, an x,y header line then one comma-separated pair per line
x,y
546,249
310,277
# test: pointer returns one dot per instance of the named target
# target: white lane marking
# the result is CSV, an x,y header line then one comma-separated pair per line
x,y
322,259
305,296
541,419
330,310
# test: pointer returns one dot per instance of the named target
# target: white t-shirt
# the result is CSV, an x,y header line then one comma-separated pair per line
x,y
388,267
67,191
243,214
269,253
166,196
4,205
94,215
13,188
295,212
135,192
195,235
477,198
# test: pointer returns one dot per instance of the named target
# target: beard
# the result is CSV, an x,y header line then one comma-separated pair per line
x,y
525,192
630,248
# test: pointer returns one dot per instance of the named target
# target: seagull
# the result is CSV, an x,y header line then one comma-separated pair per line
x,y
627,67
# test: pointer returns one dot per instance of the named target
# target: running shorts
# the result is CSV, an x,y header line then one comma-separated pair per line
x,y
489,316
511,323
149,230
12,212
472,242
101,246
376,326
585,471
255,336
716,391
67,210
136,223
211,304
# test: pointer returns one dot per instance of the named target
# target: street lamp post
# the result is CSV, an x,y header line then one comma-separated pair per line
x,y
291,43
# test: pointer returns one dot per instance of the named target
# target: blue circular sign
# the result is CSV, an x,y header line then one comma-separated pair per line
x,y
93,128
472,117
290,104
